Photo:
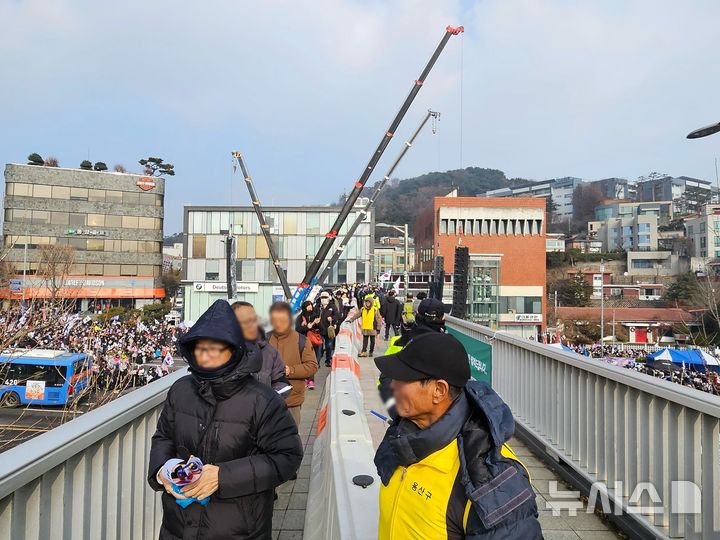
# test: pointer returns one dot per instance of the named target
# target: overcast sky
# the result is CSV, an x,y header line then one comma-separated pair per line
x,y
305,89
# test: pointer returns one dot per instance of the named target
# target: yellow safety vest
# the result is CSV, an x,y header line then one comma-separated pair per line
x,y
368,318
415,503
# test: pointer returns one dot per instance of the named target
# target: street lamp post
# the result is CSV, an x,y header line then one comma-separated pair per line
x,y
404,230
602,305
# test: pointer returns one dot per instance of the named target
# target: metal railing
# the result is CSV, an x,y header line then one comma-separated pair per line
x,y
608,424
87,480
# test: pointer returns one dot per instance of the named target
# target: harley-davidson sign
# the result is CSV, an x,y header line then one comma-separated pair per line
x,y
145,183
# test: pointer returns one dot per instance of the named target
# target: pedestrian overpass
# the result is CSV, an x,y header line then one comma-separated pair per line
x,y
646,451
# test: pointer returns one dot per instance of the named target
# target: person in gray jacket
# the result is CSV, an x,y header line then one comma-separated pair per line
x,y
272,372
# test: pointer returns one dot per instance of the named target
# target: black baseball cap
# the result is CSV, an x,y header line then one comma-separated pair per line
x,y
431,307
434,355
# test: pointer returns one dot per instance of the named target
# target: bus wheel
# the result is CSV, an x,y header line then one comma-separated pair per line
x,y
10,400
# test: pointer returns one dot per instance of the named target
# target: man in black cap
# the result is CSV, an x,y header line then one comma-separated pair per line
x,y
443,474
430,318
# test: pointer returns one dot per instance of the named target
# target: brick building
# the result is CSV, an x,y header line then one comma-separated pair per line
x,y
507,241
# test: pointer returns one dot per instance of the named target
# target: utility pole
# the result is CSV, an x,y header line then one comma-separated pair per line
x,y
602,305
406,277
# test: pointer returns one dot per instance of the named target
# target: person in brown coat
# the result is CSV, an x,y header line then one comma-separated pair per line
x,y
300,362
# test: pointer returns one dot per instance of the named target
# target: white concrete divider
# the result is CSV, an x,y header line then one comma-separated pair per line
x,y
338,506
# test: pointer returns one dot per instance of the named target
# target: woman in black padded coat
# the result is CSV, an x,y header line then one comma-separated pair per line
x,y
239,428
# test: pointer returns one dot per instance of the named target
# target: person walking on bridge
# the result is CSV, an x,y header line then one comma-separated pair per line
x,y
441,464
239,428
297,353
272,371
430,318
391,312
370,322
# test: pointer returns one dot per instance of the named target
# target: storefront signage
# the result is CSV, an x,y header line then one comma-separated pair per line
x,y
86,232
74,282
242,287
528,317
145,183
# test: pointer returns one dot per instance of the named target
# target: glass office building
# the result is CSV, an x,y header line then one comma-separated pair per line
x,y
297,233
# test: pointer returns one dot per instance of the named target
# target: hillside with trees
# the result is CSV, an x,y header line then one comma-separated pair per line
x,y
401,201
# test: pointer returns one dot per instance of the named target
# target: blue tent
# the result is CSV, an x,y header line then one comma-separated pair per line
x,y
694,359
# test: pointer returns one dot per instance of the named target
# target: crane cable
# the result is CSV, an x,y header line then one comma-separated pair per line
x,y
462,69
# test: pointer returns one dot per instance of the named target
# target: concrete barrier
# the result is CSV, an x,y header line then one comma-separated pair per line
x,y
337,506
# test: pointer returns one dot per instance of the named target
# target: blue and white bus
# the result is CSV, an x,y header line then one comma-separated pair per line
x,y
42,376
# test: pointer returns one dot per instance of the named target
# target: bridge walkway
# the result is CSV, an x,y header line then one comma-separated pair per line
x,y
582,526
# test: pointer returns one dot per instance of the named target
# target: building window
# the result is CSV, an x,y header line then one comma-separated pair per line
x,y
146,199
42,192
113,221
198,246
443,226
95,244
78,194
21,190
130,222
112,196
128,246
360,272
130,198
77,220
290,223
94,269
20,216
146,223
128,270
77,243
452,229
312,223
212,270
41,217
96,220
61,192
643,263
703,242
690,229
248,271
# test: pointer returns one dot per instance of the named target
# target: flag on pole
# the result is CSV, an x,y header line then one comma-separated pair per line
x,y
396,286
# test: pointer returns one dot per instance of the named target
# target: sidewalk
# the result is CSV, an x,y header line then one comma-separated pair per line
x,y
289,513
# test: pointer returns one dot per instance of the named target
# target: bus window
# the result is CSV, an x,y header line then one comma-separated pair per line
x,y
19,374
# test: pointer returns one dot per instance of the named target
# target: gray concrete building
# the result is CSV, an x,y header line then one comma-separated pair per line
x,y
112,221
297,232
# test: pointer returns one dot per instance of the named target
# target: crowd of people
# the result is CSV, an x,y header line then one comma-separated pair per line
x,y
637,360
225,441
126,352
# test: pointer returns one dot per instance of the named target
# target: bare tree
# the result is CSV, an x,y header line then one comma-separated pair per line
x,y
55,261
119,168
52,161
